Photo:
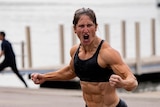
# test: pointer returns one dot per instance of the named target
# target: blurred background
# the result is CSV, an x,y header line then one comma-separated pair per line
x,y
46,26
41,34
43,17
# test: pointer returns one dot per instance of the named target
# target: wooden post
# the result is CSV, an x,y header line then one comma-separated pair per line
x,y
124,39
62,43
137,42
153,42
22,49
29,46
107,32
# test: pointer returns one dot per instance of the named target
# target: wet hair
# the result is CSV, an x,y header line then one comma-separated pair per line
x,y
84,11
3,34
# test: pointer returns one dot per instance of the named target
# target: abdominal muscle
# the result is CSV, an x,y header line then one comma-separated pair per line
x,y
99,94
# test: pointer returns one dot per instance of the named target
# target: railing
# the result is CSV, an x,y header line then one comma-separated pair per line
x,y
28,52
137,64
22,52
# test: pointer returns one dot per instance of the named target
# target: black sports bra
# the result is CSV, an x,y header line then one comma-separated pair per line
x,y
89,70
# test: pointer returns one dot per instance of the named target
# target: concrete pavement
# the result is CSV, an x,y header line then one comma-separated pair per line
x,y
22,97
49,97
14,94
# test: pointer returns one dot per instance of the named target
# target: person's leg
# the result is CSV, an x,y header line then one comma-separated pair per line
x,y
121,104
3,65
14,68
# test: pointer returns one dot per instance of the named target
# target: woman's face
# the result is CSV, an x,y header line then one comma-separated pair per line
x,y
85,30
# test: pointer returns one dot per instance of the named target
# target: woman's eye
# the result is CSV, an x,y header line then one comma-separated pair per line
x,y
89,25
81,26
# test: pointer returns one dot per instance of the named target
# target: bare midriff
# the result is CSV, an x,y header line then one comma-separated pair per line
x,y
99,94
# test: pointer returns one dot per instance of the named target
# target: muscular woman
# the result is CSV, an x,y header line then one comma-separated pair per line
x,y
100,67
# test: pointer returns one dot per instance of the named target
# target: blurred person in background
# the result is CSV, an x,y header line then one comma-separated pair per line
x,y
9,57
100,67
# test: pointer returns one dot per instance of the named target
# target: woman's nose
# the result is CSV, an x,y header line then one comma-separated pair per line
x,y
85,29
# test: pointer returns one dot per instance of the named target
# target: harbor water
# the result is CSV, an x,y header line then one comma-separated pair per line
x,y
44,17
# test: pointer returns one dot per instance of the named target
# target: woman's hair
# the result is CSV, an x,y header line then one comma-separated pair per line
x,y
84,11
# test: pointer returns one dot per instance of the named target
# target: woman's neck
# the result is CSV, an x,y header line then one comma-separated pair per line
x,y
92,46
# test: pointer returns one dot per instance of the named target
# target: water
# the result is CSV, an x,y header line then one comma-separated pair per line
x,y
44,17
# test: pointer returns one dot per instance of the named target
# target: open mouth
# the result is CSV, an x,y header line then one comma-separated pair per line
x,y
86,37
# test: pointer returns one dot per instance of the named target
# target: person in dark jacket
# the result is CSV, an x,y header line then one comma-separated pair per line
x,y
9,57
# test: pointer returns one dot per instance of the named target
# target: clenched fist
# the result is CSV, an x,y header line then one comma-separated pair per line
x,y
116,81
37,78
